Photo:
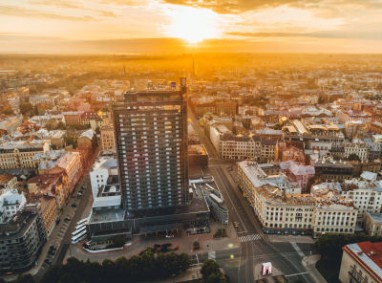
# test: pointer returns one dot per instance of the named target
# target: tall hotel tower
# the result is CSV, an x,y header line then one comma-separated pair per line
x,y
151,138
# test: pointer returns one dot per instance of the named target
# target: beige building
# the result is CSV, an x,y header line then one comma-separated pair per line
x,y
241,146
334,215
359,149
373,224
281,210
71,163
283,213
20,154
49,210
53,184
8,181
366,196
107,138
361,263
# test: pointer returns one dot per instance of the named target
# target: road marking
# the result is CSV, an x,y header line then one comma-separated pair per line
x,y
248,238
297,248
296,274
241,232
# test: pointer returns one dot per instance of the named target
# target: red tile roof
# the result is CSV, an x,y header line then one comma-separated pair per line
x,y
373,251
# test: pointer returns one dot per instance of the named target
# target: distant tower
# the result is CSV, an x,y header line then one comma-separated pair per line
x,y
151,138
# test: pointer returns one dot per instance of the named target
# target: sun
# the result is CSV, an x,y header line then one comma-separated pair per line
x,y
192,25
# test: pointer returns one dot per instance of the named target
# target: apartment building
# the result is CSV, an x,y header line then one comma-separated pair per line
x,y
10,203
373,223
359,149
252,175
283,210
330,170
21,154
361,263
107,138
151,139
21,239
54,184
241,146
284,213
299,173
366,196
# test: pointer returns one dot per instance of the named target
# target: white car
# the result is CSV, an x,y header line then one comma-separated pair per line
x,y
170,236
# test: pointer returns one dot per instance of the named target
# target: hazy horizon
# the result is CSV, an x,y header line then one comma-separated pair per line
x,y
178,26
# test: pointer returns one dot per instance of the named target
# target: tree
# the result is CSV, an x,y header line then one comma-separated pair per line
x,y
220,233
119,240
209,267
25,278
211,272
148,266
216,278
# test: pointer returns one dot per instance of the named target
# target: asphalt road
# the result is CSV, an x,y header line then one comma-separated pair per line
x,y
283,256
65,242
239,264
212,155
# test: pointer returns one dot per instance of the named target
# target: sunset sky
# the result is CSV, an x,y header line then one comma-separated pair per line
x,y
168,26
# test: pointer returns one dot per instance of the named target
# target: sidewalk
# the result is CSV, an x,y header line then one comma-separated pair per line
x,y
310,264
291,239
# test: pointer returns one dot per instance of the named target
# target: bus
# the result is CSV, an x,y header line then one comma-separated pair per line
x,y
79,237
82,221
79,231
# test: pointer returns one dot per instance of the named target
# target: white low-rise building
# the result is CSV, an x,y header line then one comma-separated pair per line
x,y
105,166
366,195
10,203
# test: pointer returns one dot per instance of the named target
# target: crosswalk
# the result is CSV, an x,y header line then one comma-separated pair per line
x,y
249,238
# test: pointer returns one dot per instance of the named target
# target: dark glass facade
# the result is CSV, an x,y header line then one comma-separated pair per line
x,y
151,139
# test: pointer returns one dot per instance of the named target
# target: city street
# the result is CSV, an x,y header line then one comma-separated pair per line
x,y
256,247
252,247
61,234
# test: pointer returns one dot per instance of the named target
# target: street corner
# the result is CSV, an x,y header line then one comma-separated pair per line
x,y
311,259
266,270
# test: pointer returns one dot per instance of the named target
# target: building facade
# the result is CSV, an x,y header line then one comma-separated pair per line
x,y
284,210
151,139
366,196
107,138
21,239
373,224
361,263
20,155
